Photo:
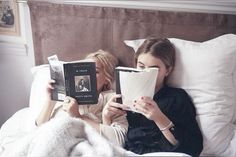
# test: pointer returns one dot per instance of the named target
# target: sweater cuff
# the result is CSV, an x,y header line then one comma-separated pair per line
x,y
169,146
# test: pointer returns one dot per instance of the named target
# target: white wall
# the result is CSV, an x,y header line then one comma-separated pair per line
x,y
16,59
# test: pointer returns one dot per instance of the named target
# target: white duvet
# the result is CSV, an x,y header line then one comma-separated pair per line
x,y
60,137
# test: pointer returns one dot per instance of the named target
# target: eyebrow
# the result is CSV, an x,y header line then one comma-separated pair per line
x,y
153,66
140,62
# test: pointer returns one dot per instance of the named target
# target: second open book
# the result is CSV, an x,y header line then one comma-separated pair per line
x,y
134,83
76,79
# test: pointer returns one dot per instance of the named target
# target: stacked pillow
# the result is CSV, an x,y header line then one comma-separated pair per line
x,y
207,71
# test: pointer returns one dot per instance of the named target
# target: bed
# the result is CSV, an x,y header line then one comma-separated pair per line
x,y
203,41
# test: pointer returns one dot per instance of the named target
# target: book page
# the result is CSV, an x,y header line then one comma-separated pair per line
x,y
134,85
57,74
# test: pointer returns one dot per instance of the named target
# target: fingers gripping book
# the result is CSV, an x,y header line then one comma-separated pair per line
x,y
75,79
134,83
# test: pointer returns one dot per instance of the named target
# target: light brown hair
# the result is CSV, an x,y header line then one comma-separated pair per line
x,y
160,48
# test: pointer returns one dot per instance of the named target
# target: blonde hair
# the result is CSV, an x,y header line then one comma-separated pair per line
x,y
109,63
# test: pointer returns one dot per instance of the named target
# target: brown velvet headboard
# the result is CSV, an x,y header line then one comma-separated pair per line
x,y
73,31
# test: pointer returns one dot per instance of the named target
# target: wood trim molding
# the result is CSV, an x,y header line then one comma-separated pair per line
x,y
216,6
19,49
202,6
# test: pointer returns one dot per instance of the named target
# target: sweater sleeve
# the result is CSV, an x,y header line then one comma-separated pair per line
x,y
116,131
186,129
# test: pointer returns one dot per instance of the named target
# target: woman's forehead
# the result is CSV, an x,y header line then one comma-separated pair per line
x,y
148,59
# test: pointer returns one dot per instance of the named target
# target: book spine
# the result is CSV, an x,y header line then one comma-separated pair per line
x,y
118,91
67,82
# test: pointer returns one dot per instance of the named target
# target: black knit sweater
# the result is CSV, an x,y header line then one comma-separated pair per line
x,y
144,136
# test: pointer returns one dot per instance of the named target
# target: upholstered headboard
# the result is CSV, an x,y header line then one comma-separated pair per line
x,y
72,31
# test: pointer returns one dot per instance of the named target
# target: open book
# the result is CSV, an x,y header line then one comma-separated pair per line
x,y
74,79
134,83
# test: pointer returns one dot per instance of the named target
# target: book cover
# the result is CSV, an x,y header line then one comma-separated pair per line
x,y
80,82
74,79
134,83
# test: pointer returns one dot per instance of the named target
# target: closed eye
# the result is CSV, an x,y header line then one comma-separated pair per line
x,y
140,65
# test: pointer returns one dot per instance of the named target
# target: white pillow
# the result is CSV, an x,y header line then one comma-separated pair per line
x,y
205,70
135,44
41,76
235,94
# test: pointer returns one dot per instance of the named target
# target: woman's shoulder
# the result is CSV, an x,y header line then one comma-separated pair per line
x,y
175,91
106,95
178,95
182,99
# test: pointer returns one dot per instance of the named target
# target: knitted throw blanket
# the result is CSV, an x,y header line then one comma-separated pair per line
x,y
62,137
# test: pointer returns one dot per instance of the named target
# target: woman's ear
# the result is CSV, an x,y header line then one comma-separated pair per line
x,y
106,85
168,71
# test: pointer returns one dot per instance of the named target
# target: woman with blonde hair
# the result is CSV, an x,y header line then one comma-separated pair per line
x,y
109,121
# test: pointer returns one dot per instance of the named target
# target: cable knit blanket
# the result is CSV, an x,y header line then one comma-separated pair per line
x,y
60,137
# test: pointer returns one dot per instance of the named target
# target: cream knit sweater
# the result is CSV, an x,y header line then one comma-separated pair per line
x,y
114,132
